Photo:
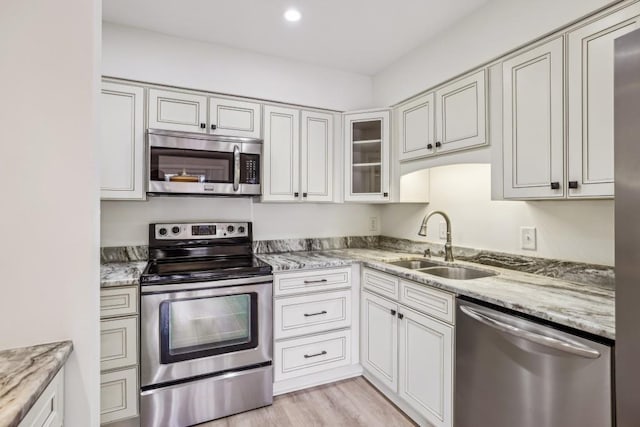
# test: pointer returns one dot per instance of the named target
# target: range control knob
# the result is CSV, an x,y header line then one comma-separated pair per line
x,y
241,229
163,231
175,229
230,229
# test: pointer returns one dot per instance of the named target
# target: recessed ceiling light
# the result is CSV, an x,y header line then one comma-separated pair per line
x,y
292,15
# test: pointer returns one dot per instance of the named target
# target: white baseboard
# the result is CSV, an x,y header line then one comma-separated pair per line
x,y
320,378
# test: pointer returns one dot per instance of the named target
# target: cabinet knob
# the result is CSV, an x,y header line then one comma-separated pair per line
x,y
438,144
213,127
393,312
385,194
573,184
296,194
203,125
430,146
555,185
304,194
400,316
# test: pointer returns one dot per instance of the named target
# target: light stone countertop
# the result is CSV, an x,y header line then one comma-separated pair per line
x,y
116,274
586,307
24,374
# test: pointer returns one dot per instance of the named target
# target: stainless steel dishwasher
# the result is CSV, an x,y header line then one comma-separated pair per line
x,y
515,372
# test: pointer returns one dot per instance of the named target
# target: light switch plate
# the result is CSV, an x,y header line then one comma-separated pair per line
x,y
373,223
528,238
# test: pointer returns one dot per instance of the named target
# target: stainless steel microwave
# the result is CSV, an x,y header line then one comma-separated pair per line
x,y
198,164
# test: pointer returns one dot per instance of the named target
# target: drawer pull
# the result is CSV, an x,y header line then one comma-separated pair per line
x,y
315,314
314,281
308,356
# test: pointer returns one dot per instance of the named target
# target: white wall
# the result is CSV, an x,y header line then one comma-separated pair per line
x,y
49,255
487,33
153,57
126,223
569,230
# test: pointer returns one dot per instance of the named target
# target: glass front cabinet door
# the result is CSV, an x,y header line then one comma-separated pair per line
x,y
367,156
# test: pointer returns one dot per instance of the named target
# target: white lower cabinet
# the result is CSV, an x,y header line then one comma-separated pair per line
x,y
118,354
408,354
315,334
48,410
426,366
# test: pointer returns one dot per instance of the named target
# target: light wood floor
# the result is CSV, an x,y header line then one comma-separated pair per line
x,y
349,403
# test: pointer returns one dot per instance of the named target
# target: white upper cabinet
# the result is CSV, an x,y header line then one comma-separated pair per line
x,y
533,122
366,161
316,163
298,155
461,113
416,127
590,102
452,118
179,111
122,142
281,159
234,118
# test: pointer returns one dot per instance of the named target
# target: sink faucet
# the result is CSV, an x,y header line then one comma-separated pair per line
x,y
448,250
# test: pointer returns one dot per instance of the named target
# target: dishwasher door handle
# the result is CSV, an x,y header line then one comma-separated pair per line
x,y
558,344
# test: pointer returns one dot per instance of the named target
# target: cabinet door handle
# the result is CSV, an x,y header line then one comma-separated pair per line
x,y
430,146
315,281
555,185
393,312
322,353
304,194
400,316
296,194
315,314
438,144
214,127
385,194
573,184
203,125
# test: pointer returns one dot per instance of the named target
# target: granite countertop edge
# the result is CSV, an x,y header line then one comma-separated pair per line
x,y
25,373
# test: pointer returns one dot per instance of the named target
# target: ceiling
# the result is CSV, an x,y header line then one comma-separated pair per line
x,y
362,36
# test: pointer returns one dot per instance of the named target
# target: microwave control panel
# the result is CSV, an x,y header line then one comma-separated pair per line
x,y
249,168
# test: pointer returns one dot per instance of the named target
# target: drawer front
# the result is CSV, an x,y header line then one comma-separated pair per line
x,y
381,283
308,314
48,410
304,356
118,343
118,302
312,281
438,304
118,395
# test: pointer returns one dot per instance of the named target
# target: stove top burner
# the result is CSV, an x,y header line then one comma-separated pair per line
x,y
203,269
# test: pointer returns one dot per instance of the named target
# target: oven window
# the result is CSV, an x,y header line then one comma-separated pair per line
x,y
180,165
201,327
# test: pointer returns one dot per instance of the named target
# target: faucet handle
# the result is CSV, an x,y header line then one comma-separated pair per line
x,y
427,253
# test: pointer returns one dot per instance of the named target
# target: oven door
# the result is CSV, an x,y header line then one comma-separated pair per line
x,y
179,163
204,328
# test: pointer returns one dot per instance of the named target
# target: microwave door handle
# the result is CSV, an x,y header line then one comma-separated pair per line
x,y
236,168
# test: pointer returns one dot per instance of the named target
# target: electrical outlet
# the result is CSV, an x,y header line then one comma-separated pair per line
x,y
373,223
528,238
443,230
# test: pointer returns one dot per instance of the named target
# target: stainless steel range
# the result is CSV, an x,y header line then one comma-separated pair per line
x,y
206,324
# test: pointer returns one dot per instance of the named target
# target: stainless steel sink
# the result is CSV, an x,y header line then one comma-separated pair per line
x,y
415,264
457,273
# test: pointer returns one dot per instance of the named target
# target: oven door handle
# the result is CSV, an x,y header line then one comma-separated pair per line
x,y
236,168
